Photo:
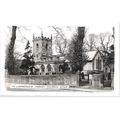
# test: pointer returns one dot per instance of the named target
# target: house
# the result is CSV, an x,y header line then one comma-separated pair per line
x,y
94,62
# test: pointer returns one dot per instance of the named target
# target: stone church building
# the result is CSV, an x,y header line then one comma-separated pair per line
x,y
45,62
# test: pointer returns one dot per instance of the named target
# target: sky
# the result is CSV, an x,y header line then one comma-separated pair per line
x,y
28,31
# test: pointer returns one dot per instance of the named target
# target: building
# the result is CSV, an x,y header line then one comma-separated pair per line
x,y
45,61
95,61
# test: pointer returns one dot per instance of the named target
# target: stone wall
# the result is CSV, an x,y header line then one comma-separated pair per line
x,y
59,79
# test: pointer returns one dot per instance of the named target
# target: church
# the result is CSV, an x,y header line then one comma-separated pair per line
x,y
45,62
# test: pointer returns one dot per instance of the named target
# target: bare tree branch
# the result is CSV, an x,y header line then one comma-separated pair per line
x,y
60,40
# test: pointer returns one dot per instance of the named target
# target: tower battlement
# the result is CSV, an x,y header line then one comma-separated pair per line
x,y
41,38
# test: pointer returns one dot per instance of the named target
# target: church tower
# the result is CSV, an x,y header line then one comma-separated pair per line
x,y
42,47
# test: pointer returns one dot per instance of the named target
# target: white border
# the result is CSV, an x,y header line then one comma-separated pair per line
x,y
60,13
53,93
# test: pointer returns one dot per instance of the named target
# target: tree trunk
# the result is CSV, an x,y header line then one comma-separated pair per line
x,y
11,51
81,33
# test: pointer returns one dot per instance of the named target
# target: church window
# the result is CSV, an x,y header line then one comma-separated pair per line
x,y
42,68
96,64
49,67
60,68
100,65
46,46
37,46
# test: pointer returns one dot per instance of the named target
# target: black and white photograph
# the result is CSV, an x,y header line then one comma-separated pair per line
x,y
59,58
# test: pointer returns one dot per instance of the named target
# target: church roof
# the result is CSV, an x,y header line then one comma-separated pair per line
x,y
91,55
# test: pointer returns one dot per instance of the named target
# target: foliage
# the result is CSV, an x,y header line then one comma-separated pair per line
x,y
61,41
90,42
64,67
10,60
106,49
28,61
17,61
76,53
109,56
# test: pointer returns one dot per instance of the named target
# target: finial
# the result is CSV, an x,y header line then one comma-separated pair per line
x,y
51,36
113,32
33,36
42,34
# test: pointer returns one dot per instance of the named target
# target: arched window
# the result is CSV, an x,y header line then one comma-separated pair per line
x,y
60,68
96,64
42,68
37,46
99,63
100,66
49,67
46,46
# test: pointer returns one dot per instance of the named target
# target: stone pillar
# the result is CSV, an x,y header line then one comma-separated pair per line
x,y
39,70
97,81
43,73
46,70
90,79
53,69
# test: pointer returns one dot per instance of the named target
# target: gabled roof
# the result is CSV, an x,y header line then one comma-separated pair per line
x,y
91,55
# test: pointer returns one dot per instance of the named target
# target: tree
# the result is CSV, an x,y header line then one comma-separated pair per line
x,y
110,56
76,53
64,67
60,40
106,49
28,61
10,62
10,53
90,42
105,40
17,61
